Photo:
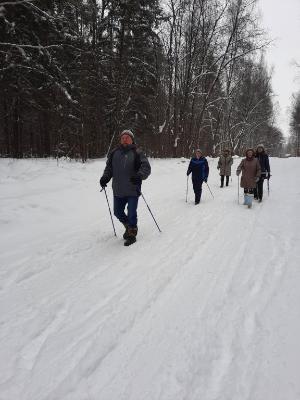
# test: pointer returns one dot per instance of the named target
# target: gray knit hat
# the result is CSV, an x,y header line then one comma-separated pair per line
x,y
127,132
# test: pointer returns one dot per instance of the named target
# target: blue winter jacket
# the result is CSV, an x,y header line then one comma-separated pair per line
x,y
198,168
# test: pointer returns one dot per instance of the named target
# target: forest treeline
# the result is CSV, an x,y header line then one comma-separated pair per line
x,y
293,145
181,74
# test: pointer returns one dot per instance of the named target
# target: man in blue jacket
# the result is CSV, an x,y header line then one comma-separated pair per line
x,y
127,166
199,168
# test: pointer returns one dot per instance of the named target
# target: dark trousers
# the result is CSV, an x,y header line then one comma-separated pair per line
x,y
258,191
197,186
119,209
222,180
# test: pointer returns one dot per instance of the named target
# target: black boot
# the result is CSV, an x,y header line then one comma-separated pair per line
x,y
125,234
222,181
227,180
132,232
255,194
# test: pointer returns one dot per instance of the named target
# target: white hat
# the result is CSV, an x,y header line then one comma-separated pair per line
x,y
127,132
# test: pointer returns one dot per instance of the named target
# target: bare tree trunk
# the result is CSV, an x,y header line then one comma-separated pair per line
x,y
17,127
6,128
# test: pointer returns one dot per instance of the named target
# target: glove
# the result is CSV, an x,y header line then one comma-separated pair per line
x,y
104,181
218,167
257,179
187,174
268,176
205,180
136,179
238,173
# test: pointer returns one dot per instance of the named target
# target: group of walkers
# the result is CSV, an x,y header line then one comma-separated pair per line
x,y
128,166
255,168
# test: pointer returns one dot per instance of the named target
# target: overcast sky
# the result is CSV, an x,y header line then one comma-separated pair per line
x,y
282,21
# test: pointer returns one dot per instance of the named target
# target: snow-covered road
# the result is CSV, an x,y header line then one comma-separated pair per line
x,y
206,310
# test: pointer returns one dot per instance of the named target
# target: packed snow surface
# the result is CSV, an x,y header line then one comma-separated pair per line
x,y
206,310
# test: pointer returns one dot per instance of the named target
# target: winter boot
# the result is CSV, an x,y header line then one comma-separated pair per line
x,y
125,235
132,232
248,200
222,181
197,198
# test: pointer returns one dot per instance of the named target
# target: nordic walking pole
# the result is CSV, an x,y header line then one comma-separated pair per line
x,y
238,189
210,190
187,188
269,186
112,221
150,211
110,144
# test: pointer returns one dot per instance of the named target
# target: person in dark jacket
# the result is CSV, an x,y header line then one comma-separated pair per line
x,y
127,166
263,159
199,168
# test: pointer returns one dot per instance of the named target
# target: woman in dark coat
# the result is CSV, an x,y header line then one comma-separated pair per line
x,y
199,168
263,159
251,171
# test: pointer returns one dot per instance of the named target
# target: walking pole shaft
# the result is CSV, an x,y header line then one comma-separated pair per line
x,y
150,212
187,188
112,221
209,190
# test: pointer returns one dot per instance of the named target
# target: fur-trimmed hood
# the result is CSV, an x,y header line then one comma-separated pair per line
x,y
250,149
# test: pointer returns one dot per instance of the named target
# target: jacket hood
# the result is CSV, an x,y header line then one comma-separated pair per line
x,y
262,147
250,149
